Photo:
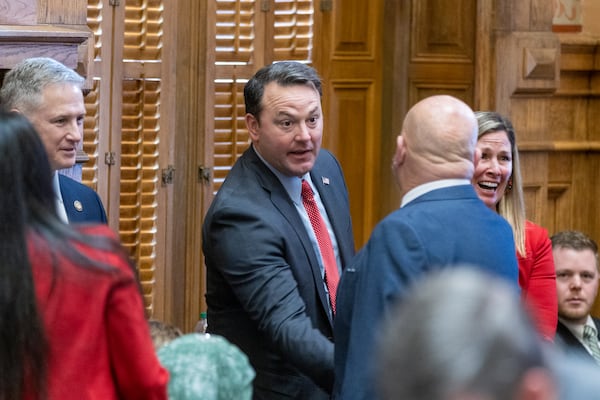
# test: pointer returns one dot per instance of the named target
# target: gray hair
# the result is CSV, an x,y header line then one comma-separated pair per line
x,y
23,85
460,331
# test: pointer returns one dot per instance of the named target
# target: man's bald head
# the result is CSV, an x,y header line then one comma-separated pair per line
x,y
438,141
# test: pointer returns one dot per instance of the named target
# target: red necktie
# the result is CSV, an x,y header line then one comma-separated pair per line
x,y
332,276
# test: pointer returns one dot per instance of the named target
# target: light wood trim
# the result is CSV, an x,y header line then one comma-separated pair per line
x,y
18,42
42,34
588,146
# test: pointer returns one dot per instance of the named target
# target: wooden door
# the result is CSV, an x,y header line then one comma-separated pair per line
x,y
348,54
430,48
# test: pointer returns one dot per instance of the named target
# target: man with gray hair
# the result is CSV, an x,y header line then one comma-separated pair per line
x,y
50,95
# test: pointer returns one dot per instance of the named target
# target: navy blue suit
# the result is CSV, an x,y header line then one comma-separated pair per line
x,y
444,227
264,287
82,204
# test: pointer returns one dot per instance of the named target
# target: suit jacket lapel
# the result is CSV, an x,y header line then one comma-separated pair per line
x,y
571,341
281,200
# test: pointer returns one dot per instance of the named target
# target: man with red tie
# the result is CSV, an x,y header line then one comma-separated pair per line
x,y
277,238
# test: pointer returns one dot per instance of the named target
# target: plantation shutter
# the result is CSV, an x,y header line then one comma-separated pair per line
x,y
124,122
249,35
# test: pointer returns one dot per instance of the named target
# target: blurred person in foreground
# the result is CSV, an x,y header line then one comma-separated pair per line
x,y
576,261
440,223
163,333
462,334
271,275
497,181
50,95
73,323
206,367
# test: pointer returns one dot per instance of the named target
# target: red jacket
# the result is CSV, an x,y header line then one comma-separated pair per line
x,y
100,345
537,279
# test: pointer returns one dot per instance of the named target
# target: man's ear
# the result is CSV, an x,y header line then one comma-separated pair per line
x,y
253,126
400,154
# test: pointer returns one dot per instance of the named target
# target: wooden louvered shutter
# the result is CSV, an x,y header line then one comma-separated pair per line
x,y
123,125
249,35
140,139
92,124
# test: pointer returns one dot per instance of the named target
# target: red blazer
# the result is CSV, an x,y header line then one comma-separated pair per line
x,y
100,345
537,278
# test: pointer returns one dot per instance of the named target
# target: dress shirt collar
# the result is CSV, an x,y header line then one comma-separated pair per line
x,y
60,206
429,186
56,184
577,329
291,184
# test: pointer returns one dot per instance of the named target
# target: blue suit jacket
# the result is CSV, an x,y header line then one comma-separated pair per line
x,y
83,205
264,287
444,227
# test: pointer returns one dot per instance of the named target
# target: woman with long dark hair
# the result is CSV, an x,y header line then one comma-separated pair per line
x,y
72,323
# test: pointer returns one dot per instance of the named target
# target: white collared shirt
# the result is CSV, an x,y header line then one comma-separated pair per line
x,y
430,186
60,206
577,330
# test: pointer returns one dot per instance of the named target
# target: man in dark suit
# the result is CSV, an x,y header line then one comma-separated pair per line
x,y
576,262
269,289
50,95
441,223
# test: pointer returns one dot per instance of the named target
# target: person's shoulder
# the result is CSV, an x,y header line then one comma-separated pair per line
x,y
326,159
535,234
533,227
71,184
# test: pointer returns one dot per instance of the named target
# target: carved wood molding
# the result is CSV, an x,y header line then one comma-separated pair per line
x,y
529,63
579,65
575,146
65,44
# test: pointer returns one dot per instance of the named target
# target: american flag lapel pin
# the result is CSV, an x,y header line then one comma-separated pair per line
x,y
325,180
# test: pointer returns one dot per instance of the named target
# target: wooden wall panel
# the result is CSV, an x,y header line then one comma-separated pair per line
x,y
433,43
354,99
451,35
348,57
534,166
52,12
67,12
353,32
554,110
421,88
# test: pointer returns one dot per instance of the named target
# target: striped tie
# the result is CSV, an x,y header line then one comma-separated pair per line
x,y
590,337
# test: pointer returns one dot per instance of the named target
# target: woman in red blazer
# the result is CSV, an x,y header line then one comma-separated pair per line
x,y
73,323
497,181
